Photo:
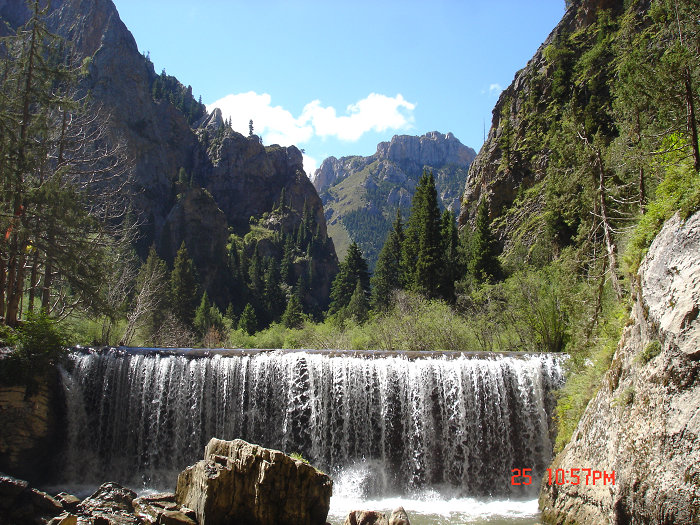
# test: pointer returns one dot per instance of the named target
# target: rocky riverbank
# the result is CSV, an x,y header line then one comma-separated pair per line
x,y
643,425
236,482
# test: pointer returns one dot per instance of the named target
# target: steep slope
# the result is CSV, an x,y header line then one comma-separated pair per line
x,y
361,194
165,133
521,147
644,422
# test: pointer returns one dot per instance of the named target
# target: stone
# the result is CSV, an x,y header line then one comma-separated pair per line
x,y
64,519
365,517
110,503
68,501
10,489
643,425
238,482
162,508
399,517
174,517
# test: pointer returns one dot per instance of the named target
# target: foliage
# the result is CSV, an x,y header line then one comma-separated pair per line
x,y
353,271
39,343
61,190
651,350
183,287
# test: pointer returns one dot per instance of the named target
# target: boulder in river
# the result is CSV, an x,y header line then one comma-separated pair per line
x,y
366,517
238,482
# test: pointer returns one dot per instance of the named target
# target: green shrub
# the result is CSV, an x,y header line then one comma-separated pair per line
x,y
650,351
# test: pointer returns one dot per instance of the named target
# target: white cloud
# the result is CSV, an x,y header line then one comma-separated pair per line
x,y
495,89
277,125
310,165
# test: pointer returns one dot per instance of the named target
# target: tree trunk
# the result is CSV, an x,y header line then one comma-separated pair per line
x,y
607,229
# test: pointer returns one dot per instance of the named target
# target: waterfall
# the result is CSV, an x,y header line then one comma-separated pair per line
x,y
434,421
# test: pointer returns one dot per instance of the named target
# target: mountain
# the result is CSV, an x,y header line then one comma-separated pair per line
x,y
361,194
191,177
592,149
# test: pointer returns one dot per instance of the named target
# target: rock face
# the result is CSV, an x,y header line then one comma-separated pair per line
x,y
644,423
29,422
238,482
243,178
511,160
20,504
361,194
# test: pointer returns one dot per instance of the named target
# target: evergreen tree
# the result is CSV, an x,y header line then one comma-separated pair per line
x,y
358,307
272,293
451,268
482,259
248,321
286,268
202,316
429,262
183,287
352,270
293,315
387,274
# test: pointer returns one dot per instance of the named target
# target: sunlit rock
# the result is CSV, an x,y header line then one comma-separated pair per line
x,y
238,482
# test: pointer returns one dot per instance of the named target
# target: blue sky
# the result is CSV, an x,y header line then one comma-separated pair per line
x,y
337,77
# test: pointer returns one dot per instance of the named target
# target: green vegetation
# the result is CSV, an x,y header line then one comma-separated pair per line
x,y
603,137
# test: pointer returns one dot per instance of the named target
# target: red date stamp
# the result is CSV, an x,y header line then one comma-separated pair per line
x,y
560,476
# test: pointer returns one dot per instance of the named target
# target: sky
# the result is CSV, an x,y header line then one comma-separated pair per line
x,y
336,77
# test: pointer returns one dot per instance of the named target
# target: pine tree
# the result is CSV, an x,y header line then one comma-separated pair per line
x,y
429,261
451,267
202,316
387,274
183,287
293,315
248,321
358,307
482,259
352,270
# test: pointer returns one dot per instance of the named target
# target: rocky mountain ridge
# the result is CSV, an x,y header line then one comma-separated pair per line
x,y
512,159
232,178
361,194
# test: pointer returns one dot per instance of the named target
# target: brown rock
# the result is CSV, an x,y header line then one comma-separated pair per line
x,y
112,504
643,425
365,517
68,501
174,517
399,517
64,519
238,482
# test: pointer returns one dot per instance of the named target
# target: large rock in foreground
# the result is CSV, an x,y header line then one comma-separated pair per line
x,y
644,422
241,483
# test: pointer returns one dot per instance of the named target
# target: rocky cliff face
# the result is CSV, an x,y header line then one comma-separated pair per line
x,y
644,422
361,194
515,156
242,177
29,426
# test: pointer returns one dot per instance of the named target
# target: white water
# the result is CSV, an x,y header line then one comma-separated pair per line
x,y
432,431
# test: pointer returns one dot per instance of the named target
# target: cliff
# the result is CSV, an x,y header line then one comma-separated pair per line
x,y
166,133
644,422
519,149
361,194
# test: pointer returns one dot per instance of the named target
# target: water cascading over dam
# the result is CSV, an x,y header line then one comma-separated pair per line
x,y
462,422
